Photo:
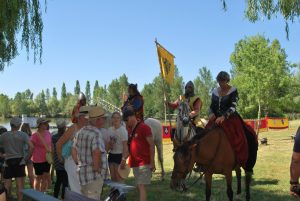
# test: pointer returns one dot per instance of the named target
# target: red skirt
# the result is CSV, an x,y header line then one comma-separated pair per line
x,y
234,130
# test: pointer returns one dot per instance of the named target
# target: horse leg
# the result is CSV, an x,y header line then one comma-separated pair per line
x,y
159,149
208,180
229,185
239,176
248,179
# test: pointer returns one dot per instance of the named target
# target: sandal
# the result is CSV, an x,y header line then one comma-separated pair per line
x,y
295,190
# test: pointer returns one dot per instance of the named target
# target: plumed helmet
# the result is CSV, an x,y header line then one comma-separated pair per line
x,y
81,96
223,76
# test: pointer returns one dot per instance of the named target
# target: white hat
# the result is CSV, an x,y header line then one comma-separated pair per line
x,y
124,173
61,123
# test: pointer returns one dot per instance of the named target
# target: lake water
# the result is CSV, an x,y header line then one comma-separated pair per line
x,y
5,123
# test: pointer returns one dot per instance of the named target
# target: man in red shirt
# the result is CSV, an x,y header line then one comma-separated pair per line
x,y
141,147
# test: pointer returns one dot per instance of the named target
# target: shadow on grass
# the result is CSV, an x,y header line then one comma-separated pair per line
x,y
261,190
160,190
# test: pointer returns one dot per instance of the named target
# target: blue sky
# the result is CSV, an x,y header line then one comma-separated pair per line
x,y
101,40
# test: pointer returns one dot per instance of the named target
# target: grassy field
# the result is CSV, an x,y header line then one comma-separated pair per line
x,y
271,174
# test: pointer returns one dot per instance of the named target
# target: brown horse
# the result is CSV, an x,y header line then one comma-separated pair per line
x,y
215,155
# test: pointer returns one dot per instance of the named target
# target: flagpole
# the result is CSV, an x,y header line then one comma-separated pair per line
x,y
166,98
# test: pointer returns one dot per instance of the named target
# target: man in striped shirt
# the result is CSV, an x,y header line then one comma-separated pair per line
x,y
89,154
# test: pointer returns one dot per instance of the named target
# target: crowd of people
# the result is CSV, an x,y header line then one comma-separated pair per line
x,y
86,153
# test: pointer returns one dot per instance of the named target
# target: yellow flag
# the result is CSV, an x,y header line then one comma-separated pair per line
x,y
166,61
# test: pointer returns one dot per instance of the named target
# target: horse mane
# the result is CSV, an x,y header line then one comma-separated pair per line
x,y
184,148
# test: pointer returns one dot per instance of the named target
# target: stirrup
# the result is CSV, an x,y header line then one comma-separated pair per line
x,y
295,190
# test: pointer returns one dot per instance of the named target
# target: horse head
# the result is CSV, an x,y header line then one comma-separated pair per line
x,y
184,159
184,130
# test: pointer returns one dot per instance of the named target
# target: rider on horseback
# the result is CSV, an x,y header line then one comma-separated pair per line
x,y
223,112
134,102
195,104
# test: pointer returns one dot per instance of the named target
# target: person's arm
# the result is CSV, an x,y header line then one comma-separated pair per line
x,y
30,150
211,113
173,105
137,103
232,109
96,154
74,155
197,105
152,152
62,140
74,151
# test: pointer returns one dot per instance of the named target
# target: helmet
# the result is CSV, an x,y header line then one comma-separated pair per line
x,y
190,83
81,96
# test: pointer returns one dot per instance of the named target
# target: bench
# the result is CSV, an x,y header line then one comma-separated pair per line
x,y
37,195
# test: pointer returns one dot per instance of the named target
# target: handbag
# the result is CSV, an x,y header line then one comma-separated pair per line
x,y
66,149
49,156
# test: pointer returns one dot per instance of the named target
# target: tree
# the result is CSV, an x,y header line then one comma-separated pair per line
x,y
23,103
154,98
88,92
54,93
123,86
40,101
116,90
47,95
53,104
95,94
260,9
20,16
77,88
204,84
63,91
4,105
261,73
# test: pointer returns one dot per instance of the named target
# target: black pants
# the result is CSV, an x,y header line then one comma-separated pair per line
x,y
61,180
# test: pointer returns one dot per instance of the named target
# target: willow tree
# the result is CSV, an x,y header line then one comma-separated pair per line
x,y
20,18
267,9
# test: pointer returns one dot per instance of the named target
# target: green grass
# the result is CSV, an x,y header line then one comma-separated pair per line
x,y
271,174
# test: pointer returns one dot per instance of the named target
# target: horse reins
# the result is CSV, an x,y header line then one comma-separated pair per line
x,y
211,161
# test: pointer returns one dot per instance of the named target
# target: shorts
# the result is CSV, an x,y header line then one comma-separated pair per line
x,y
29,162
297,142
13,169
114,158
41,168
142,174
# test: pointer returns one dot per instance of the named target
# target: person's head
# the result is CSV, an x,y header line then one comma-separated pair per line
x,y
82,115
26,128
42,124
133,90
96,117
189,89
15,123
129,118
61,125
116,119
2,130
223,76
82,99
